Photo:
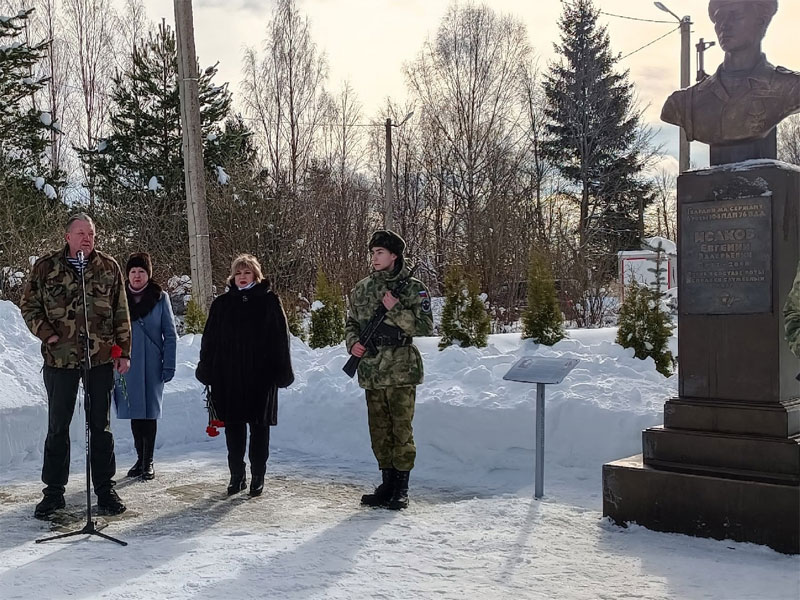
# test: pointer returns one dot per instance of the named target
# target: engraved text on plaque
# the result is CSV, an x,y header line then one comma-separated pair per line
x,y
726,257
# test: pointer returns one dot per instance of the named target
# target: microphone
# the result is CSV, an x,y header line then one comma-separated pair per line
x,y
81,260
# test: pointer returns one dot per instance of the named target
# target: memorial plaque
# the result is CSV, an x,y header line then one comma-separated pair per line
x,y
726,257
537,369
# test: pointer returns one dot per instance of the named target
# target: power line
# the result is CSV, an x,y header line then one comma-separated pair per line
x,y
244,118
633,18
651,43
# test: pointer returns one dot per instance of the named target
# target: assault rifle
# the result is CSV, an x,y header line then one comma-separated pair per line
x,y
351,367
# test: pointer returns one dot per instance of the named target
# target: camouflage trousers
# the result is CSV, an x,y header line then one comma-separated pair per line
x,y
390,412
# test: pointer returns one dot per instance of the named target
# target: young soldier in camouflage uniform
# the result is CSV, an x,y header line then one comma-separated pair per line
x,y
792,313
52,306
391,367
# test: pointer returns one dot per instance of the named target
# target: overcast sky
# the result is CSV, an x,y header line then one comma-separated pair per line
x,y
367,42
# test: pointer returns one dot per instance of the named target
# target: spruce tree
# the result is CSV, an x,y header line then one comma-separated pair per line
x,y
195,319
137,171
24,128
542,321
146,135
644,326
327,314
29,185
465,321
595,132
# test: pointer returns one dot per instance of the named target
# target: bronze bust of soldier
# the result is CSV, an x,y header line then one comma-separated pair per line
x,y
742,103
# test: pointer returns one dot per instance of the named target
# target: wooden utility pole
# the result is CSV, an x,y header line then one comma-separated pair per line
x,y
388,189
188,81
684,150
388,209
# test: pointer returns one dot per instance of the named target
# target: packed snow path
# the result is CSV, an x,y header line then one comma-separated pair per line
x,y
473,530
308,538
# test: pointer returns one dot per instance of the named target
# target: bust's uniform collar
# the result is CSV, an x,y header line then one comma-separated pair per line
x,y
759,77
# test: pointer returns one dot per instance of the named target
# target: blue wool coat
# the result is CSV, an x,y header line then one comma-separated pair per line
x,y
153,350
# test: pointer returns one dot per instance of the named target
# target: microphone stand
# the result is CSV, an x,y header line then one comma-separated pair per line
x,y
91,527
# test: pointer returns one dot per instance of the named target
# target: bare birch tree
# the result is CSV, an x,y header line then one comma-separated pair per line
x,y
89,30
284,93
340,193
466,78
789,140
665,205
132,28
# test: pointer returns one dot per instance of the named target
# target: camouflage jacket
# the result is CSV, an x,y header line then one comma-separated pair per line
x,y
391,366
52,304
792,313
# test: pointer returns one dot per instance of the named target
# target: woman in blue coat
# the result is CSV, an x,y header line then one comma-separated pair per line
x,y
153,348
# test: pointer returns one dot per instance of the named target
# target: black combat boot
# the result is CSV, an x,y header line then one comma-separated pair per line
x,y
383,492
237,484
399,499
49,504
108,503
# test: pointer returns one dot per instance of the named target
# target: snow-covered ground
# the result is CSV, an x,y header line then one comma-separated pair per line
x,y
472,531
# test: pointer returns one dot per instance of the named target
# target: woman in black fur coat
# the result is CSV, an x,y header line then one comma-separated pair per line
x,y
244,358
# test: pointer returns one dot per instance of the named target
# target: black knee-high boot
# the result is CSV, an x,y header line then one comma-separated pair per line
x,y
136,430
259,453
148,447
236,441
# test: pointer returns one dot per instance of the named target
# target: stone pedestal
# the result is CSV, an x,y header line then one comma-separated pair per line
x,y
726,463
702,505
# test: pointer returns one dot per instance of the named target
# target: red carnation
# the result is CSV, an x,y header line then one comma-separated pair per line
x,y
213,420
116,352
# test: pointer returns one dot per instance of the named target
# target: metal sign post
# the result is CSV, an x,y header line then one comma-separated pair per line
x,y
541,371
538,489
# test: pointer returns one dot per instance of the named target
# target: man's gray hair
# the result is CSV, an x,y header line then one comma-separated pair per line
x,y
81,216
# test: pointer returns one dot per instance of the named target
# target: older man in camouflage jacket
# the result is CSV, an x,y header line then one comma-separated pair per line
x,y
391,372
53,309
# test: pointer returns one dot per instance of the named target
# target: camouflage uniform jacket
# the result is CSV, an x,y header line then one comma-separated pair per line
x,y
392,366
792,313
52,304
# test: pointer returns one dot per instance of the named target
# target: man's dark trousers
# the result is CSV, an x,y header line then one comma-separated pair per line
x,y
62,390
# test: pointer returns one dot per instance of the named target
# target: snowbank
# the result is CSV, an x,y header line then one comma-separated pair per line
x,y
23,408
471,426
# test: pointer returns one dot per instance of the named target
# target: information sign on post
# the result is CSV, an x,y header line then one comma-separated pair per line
x,y
541,371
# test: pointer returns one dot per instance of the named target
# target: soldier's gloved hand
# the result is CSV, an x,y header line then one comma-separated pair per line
x,y
167,375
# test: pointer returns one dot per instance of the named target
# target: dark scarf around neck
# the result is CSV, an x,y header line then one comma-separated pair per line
x,y
150,296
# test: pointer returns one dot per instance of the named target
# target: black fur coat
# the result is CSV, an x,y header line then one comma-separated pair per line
x,y
244,355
